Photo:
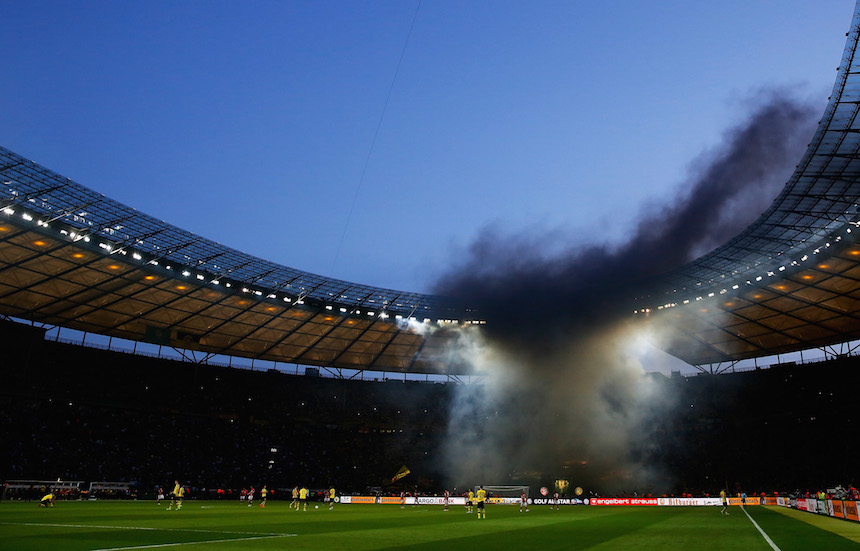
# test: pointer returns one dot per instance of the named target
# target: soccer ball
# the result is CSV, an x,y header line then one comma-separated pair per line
x,y
316,506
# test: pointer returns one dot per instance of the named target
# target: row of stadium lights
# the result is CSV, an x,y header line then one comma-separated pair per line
x,y
110,249
769,273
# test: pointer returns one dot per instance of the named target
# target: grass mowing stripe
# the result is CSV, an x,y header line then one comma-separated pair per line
x,y
137,526
107,527
760,531
190,543
845,528
792,534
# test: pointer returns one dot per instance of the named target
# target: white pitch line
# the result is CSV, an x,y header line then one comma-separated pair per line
x,y
147,528
760,531
153,546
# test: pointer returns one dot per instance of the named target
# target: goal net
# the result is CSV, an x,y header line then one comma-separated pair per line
x,y
504,491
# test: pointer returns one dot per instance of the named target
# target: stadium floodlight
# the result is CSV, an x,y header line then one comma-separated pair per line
x,y
137,256
27,217
328,307
343,310
186,273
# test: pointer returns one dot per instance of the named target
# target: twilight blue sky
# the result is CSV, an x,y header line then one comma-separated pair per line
x,y
251,122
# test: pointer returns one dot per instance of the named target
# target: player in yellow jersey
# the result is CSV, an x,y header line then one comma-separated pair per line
x,y
176,496
331,494
303,498
47,500
482,497
469,500
263,493
725,509
295,502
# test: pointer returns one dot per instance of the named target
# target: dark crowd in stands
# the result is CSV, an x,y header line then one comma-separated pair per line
x,y
87,414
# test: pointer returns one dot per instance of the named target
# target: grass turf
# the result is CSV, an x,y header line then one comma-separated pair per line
x,y
229,526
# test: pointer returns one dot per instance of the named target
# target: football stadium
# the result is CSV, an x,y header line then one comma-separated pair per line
x,y
159,389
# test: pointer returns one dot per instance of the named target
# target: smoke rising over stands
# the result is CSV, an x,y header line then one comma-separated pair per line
x,y
569,397
526,295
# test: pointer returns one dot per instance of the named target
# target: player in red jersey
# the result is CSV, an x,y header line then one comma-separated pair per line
x,y
555,500
524,502
447,497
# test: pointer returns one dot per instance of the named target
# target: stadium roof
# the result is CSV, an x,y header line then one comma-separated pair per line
x,y
72,257
791,280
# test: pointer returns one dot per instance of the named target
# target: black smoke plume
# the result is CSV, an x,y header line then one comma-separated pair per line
x,y
565,394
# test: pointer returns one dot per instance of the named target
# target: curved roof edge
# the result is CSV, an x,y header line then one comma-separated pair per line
x,y
57,199
816,207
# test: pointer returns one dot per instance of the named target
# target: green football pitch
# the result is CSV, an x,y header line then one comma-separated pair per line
x,y
228,526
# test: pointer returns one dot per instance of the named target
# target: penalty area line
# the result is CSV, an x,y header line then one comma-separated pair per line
x,y
773,546
178,544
